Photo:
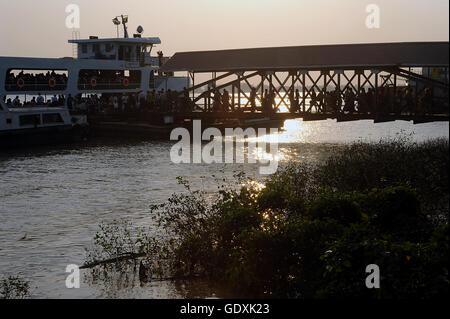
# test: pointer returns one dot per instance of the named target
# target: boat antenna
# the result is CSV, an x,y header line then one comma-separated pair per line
x,y
116,22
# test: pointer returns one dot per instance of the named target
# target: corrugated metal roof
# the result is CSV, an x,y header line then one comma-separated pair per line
x,y
405,54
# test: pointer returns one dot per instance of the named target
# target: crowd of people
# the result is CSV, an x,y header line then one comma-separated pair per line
x,y
108,79
49,80
351,101
39,100
152,101
385,100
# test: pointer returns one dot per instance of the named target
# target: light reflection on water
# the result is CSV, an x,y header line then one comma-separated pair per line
x,y
329,131
57,196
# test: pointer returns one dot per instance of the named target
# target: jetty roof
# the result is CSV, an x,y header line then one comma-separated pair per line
x,y
403,54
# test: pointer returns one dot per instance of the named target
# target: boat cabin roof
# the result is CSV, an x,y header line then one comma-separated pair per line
x,y
147,41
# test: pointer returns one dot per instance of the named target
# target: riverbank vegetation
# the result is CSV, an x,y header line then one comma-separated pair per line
x,y
308,231
14,287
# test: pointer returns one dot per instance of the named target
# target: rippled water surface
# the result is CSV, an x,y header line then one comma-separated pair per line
x,y
52,199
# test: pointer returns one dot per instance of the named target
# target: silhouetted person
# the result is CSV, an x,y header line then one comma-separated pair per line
x,y
253,100
313,98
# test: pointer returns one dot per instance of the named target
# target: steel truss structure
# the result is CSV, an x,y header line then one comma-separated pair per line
x,y
312,85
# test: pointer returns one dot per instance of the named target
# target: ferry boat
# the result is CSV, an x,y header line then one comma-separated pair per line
x,y
39,125
107,67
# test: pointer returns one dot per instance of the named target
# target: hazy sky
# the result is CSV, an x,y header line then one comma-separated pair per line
x,y
37,27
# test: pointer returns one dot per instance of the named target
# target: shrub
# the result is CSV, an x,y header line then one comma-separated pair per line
x,y
341,207
14,287
312,230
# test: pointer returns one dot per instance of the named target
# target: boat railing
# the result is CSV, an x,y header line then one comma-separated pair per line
x,y
109,85
35,86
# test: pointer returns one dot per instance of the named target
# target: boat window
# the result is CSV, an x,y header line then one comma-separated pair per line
x,y
36,80
52,118
109,79
32,119
124,52
8,121
108,47
84,48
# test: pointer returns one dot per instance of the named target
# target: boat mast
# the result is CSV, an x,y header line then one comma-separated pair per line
x,y
124,22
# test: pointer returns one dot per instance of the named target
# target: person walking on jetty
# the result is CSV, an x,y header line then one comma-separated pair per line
x,y
226,101
163,101
217,101
124,101
253,100
362,102
313,100
349,101
149,98
70,102
320,98
116,103
273,104
142,99
264,99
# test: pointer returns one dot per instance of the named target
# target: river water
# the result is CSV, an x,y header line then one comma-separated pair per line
x,y
52,199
